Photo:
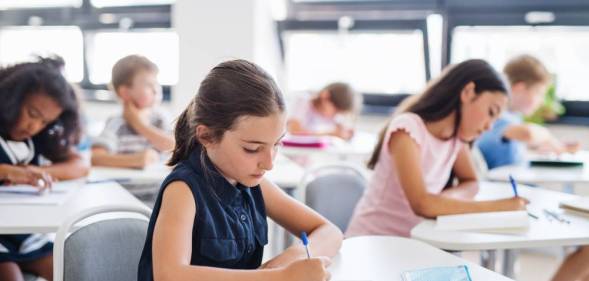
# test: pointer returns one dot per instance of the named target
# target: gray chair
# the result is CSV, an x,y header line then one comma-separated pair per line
x,y
105,250
333,191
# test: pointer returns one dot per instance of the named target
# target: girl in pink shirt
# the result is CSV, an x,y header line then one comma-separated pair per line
x,y
422,145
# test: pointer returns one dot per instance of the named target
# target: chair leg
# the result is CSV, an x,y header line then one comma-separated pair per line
x,y
488,258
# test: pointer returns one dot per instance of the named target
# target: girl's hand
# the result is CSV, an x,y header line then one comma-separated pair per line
x,y
314,269
29,175
513,204
287,257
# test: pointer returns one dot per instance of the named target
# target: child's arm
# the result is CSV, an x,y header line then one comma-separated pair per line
x,y
405,154
102,157
534,135
24,175
295,127
325,238
73,168
464,171
172,246
160,139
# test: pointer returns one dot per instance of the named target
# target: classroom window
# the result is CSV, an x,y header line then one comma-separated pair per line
x,y
161,47
18,4
118,3
562,49
18,44
386,62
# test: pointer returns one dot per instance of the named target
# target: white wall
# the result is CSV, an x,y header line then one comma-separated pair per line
x,y
214,31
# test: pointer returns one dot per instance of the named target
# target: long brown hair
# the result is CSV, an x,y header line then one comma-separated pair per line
x,y
442,97
231,90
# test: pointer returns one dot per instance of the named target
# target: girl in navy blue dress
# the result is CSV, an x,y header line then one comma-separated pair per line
x,y
209,221
39,128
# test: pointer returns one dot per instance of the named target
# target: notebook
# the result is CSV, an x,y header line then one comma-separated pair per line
x,y
444,273
306,141
492,221
578,205
29,195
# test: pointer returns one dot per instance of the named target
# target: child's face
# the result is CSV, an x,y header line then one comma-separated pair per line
x,y
246,152
144,91
527,98
38,111
479,112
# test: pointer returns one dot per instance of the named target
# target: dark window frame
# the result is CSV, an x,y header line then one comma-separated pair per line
x,y
87,18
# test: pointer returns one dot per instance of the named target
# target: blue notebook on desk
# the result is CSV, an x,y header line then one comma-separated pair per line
x,y
444,273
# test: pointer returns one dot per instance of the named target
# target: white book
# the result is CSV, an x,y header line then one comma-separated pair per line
x,y
491,221
579,205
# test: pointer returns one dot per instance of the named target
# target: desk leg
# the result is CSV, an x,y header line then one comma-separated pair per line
x,y
509,257
488,259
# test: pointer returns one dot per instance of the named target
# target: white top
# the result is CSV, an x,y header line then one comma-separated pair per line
x,y
543,232
46,218
384,258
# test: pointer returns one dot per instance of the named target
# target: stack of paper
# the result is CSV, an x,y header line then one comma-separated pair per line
x,y
510,220
578,205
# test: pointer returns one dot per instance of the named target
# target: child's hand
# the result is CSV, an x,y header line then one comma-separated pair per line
x,y
513,204
314,269
343,132
29,175
290,255
145,158
132,115
572,147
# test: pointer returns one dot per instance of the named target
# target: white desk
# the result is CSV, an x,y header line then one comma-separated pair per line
x,y
383,258
545,175
285,174
22,219
541,175
362,144
542,232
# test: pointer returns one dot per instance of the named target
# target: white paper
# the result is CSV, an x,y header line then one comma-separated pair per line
x,y
28,195
484,221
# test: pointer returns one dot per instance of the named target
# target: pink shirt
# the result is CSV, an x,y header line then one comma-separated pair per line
x,y
384,209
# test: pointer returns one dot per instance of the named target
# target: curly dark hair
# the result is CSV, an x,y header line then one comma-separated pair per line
x,y
20,81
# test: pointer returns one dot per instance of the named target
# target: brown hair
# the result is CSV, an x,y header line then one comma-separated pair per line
x,y
526,69
442,97
231,90
126,68
341,95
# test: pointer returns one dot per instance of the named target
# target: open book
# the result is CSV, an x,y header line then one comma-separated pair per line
x,y
491,221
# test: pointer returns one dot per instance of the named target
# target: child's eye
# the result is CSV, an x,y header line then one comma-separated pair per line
x,y
250,150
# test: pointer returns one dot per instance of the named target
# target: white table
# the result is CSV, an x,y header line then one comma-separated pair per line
x,y
384,258
285,174
566,176
22,219
362,144
542,232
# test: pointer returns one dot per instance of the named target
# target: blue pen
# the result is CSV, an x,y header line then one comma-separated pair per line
x,y
306,243
513,185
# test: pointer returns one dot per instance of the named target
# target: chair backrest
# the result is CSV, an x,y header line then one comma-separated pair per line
x,y
104,250
334,191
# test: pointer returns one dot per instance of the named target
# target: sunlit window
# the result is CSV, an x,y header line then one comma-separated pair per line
x,y
371,61
18,44
18,4
161,47
562,49
117,3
